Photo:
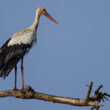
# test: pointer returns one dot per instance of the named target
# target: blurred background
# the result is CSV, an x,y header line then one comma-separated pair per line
x,y
67,56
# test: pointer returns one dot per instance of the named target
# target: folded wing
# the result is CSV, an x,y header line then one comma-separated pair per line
x,y
10,55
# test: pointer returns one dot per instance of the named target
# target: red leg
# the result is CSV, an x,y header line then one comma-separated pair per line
x,y
15,77
22,74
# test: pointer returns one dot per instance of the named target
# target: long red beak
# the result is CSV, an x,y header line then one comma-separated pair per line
x,y
48,16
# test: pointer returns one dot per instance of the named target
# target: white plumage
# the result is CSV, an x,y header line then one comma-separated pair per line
x,y
22,37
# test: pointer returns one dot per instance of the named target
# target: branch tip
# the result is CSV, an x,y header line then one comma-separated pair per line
x,y
89,90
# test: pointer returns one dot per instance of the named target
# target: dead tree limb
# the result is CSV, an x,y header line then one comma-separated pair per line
x,y
29,93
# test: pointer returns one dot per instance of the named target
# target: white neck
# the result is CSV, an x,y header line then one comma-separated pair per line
x,y
36,21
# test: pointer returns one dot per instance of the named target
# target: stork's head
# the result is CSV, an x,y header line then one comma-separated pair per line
x,y
44,12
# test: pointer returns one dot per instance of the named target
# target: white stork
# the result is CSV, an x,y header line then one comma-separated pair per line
x,y
17,46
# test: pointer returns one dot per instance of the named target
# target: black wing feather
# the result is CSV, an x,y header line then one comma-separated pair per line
x,y
2,53
10,56
5,45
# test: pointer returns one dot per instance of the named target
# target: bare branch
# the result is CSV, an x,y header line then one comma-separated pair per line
x,y
29,93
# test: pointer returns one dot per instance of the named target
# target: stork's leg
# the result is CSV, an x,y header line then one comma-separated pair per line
x,y
15,77
22,73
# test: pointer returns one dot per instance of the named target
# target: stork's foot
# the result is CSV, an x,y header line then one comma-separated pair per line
x,y
28,89
15,89
22,88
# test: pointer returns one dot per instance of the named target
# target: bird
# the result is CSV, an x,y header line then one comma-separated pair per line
x,y
18,45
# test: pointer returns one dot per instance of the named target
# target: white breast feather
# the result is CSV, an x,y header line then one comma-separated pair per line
x,y
23,37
